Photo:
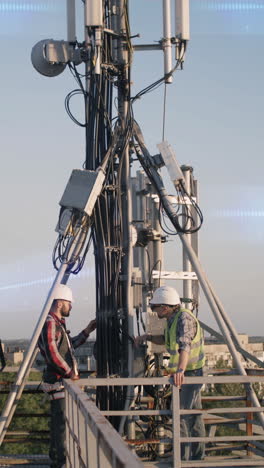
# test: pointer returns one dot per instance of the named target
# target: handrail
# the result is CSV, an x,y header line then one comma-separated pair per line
x,y
76,396
117,381
91,439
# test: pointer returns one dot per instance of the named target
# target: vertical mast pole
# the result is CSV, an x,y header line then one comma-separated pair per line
x,y
187,284
195,246
167,47
157,245
142,203
126,205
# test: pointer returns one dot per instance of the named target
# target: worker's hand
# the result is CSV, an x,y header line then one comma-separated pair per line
x,y
91,327
74,376
138,340
178,378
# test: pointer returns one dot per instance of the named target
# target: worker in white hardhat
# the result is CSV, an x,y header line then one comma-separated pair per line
x,y
183,338
57,348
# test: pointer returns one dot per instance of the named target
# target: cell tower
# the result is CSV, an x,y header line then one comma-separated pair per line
x,y
98,204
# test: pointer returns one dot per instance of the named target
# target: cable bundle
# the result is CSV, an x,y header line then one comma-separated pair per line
x,y
78,225
107,140
183,222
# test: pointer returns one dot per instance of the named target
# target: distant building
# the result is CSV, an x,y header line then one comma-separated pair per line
x,y
85,357
216,350
15,357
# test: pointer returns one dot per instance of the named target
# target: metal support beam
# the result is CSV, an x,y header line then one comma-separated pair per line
x,y
17,388
219,318
218,312
244,353
167,46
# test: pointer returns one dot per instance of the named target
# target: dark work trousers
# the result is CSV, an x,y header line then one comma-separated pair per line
x,y
57,451
192,425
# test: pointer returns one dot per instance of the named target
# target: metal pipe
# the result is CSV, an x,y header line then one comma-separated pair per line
x,y
176,421
227,320
143,254
166,43
186,264
25,366
235,339
219,319
195,242
131,430
249,425
242,351
161,433
168,207
126,205
157,245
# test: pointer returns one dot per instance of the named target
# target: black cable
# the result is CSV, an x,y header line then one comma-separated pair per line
x,y
61,249
69,96
152,269
154,177
156,83
107,138
107,235
195,207
162,222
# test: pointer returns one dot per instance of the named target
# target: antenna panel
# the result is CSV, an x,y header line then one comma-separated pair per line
x,y
94,13
82,190
182,20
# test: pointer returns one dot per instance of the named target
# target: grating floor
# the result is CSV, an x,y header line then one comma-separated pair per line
x,y
34,461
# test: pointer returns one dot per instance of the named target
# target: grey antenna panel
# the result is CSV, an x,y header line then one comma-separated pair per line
x,y
82,190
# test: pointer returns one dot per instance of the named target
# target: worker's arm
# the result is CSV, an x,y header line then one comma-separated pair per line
x,y
178,377
82,337
90,327
186,331
156,339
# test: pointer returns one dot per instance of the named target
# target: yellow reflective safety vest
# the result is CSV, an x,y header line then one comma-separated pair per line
x,y
196,357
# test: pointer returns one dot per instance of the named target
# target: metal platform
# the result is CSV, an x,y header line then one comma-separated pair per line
x,y
34,461
40,461
212,462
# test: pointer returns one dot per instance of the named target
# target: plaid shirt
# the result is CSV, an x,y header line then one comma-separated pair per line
x,y
59,362
186,330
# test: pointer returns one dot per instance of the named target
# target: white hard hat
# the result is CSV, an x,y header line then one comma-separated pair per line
x,y
63,292
165,295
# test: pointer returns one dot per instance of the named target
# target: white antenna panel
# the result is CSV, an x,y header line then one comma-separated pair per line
x,y
94,13
170,161
182,23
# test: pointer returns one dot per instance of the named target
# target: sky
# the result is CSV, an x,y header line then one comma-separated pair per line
x,y
214,121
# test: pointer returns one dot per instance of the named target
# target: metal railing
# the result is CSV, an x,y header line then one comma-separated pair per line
x,y
93,442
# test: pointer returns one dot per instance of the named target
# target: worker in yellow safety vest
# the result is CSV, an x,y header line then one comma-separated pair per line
x,y
183,338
